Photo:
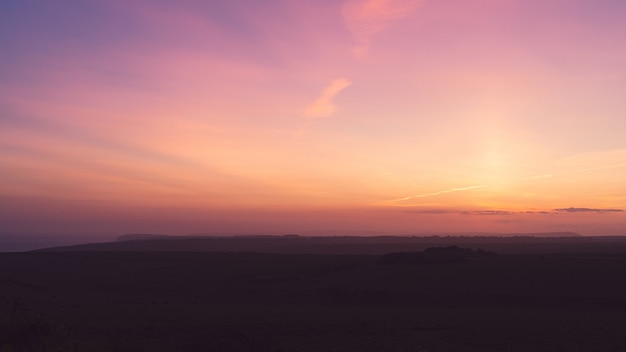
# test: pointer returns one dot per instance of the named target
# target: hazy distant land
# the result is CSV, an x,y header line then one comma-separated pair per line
x,y
539,243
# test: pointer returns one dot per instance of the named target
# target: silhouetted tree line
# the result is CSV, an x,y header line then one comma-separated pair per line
x,y
434,255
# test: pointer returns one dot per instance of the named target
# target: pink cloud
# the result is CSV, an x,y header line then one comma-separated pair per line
x,y
324,105
364,18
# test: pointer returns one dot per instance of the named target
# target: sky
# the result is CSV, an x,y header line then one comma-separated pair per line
x,y
317,117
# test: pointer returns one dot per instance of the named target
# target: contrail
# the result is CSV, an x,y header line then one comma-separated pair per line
x,y
451,190
538,177
613,166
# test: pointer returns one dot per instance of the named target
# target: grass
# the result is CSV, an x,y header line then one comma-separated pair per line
x,y
235,302
23,330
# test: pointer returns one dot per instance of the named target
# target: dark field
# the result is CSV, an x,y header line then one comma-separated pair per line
x,y
123,297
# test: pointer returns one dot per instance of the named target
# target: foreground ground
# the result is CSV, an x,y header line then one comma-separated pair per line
x,y
204,301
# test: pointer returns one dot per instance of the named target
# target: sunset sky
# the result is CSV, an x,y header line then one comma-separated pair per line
x,y
297,116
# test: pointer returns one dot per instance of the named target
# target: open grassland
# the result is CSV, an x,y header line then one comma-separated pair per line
x,y
204,301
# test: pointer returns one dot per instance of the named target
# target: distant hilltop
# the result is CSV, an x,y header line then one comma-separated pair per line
x,y
518,243
143,237
529,234
549,234
148,236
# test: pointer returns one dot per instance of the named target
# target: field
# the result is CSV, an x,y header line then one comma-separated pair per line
x,y
114,298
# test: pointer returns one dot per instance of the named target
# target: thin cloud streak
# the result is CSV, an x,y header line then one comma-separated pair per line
x,y
431,194
539,177
324,105
603,167
588,210
365,18
496,212
488,212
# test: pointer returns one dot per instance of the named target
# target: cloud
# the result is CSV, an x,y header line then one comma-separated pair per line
x,y
431,194
486,212
538,177
592,161
587,210
602,167
433,211
324,105
365,18
462,212
489,212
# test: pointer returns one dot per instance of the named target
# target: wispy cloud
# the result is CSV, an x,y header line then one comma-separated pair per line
x,y
539,177
602,167
324,106
587,210
365,18
433,211
497,212
593,161
431,194
488,212
471,212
